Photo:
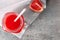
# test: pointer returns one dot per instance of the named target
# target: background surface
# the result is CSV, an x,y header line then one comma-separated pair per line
x,y
45,27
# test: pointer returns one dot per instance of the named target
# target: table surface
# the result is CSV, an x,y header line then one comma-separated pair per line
x,y
45,27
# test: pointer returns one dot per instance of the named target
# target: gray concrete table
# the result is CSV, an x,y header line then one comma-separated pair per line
x,y
45,27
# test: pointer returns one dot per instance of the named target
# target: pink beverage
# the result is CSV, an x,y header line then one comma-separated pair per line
x,y
10,26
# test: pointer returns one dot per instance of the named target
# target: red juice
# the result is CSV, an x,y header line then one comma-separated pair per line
x,y
9,25
36,5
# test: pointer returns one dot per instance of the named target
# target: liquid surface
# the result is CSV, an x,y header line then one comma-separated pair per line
x,y
10,24
36,5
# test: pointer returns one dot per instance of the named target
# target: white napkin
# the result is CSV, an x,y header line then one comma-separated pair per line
x,y
5,3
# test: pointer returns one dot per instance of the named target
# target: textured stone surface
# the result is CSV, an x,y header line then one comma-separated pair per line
x,y
45,27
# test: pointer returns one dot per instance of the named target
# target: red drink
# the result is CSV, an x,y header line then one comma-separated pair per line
x,y
9,25
36,5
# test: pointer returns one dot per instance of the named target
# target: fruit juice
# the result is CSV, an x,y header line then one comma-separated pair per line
x,y
9,25
36,5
